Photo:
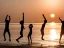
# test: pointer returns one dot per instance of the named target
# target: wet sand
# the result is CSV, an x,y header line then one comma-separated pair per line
x,y
30,46
35,44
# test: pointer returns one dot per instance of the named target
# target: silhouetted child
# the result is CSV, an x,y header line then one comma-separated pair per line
x,y
22,28
43,26
30,33
62,29
7,21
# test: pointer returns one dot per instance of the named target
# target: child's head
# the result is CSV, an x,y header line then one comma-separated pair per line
x,y
31,25
21,22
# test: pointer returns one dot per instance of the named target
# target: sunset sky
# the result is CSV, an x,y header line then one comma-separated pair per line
x,y
33,10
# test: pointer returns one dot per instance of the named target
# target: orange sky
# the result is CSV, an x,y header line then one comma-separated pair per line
x,y
33,10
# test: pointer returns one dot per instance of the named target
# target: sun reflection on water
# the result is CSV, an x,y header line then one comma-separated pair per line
x,y
53,31
53,34
53,24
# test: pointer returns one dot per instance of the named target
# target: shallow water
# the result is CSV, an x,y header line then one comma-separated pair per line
x,y
51,35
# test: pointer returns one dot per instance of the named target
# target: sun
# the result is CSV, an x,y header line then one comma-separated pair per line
x,y
52,15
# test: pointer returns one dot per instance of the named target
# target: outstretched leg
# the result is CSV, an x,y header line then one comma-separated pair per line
x,y
19,38
9,35
4,35
60,38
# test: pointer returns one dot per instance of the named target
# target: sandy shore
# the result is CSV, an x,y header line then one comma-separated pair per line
x,y
11,44
30,46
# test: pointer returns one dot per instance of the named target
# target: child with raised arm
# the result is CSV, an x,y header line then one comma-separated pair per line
x,y
7,21
22,28
30,33
43,26
62,29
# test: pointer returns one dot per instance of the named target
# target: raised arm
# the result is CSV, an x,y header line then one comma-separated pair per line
x,y
6,18
23,19
23,16
9,18
60,19
44,16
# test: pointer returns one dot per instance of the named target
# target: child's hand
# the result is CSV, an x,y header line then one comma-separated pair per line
x,y
43,14
59,17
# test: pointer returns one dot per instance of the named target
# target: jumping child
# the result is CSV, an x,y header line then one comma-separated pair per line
x,y
30,33
7,21
22,28
62,29
43,26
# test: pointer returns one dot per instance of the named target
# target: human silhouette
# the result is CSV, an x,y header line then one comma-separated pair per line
x,y
62,29
7,21
22,28
43,26
30,33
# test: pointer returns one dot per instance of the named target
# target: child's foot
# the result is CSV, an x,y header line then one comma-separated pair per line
x,y
28,42
31,42
9,39
42,38
4,39
17,40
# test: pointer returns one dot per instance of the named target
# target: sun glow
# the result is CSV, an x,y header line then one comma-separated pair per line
x,y
52,15
52,3
53,34
52,23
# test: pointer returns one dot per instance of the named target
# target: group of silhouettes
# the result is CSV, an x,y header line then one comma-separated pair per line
x,y
7,21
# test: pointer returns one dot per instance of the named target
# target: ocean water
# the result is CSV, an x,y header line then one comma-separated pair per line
x,y
51,32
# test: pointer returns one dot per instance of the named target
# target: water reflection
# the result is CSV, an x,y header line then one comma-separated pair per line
x,y
53,34
53,31
53,24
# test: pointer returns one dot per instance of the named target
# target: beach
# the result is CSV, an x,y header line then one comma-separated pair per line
x,y
25,45
36,36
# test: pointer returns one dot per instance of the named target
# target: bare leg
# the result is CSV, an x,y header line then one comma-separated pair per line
x,y
28,39
60,38
42,33
9,35
4,35
31,39
19,38
42,36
